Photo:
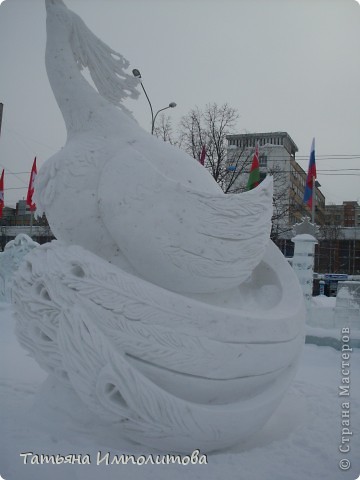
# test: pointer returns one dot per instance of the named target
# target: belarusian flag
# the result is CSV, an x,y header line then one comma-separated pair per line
x,y
31,187
254,176
1,193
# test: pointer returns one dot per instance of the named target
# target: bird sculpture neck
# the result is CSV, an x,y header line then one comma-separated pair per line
x,y
77,100
82,107
70,47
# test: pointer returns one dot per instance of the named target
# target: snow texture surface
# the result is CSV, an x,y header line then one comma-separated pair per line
x,y
300,440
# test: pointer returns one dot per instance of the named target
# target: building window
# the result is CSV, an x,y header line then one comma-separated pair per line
x,y
263,160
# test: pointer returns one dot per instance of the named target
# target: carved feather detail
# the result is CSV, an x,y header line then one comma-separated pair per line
x,y
106,66
149,364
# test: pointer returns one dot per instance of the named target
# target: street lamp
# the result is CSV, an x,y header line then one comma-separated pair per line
x,y
137,74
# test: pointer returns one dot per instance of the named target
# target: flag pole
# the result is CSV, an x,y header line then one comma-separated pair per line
x,y
29,198
31,222
313,200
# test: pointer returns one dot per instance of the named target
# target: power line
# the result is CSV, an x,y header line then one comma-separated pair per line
x,y
28,138
12,173
282,159
342,174
330,155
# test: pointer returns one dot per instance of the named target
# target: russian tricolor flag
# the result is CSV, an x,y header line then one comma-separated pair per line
x,y
308,194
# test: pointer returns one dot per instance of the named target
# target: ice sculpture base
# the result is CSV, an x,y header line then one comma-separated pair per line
x,y
175,372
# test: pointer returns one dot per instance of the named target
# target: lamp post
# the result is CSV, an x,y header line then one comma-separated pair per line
x,y
137,74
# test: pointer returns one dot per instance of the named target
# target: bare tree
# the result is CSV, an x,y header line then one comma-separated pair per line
x,y
164,130
209,127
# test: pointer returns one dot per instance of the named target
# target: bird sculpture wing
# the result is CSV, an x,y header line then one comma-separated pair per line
x,y
183,239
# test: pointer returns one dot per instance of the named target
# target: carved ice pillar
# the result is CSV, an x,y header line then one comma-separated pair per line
x,y
303,260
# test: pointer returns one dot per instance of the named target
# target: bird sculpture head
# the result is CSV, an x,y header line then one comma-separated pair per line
x,y
106,66
58,14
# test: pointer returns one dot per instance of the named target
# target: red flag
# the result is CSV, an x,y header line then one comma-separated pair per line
x,y
30,193
202,156
1,193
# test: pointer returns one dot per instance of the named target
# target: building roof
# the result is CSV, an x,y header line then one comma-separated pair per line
x,y
266,136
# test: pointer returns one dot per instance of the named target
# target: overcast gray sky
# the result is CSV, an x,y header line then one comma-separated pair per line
x,y
286,65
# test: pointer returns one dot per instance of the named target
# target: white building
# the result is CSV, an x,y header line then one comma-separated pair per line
x,y
276,157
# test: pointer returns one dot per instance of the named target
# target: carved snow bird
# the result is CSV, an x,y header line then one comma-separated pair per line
x,y
193,368
120,192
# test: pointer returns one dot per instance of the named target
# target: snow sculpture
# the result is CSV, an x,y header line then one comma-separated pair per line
x,y
10,259
164,304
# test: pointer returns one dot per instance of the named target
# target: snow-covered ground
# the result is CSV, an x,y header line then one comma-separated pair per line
x,y
300,441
